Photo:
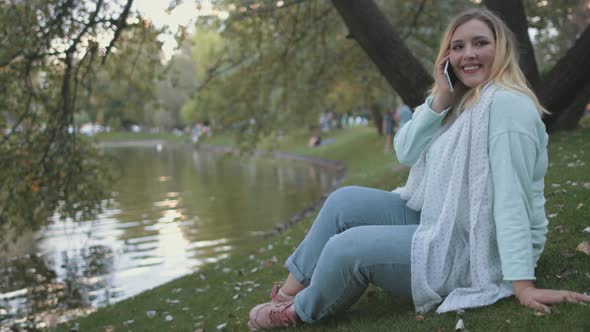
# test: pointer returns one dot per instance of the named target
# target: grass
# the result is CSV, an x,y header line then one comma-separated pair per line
x,y
223,293
116,136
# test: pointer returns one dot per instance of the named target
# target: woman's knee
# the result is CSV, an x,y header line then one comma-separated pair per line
x,y
342,249
342,196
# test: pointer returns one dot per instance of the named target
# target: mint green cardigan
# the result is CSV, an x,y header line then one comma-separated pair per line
x,y
517,144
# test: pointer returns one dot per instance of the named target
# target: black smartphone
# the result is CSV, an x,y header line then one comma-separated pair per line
x,y
450,75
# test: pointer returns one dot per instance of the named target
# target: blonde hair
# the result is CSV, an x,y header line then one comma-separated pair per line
x,y
505,71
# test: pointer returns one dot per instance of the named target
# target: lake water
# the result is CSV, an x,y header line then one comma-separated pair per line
x,y
173,211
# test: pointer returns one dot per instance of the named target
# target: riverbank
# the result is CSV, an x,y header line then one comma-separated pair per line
x,y
220,295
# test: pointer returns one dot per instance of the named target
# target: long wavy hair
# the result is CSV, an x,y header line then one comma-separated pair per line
x,y
505,71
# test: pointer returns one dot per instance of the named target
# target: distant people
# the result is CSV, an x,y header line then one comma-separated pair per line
x,y
196,132
403,114
388,125
314,140
344,120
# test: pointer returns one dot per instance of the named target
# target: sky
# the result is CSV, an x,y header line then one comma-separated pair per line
x,y
184,14
155,10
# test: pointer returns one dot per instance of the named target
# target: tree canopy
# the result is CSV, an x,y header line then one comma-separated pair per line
x,y
268,66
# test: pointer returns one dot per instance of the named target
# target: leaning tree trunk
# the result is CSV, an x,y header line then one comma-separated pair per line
x,y
571,115
563,86
371,29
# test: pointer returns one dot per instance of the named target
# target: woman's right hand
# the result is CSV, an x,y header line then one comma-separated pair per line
x,y
444,98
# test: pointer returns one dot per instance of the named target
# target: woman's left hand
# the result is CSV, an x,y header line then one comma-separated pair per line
x,y
540,299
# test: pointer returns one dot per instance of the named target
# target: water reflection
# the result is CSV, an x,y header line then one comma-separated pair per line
x,y
173,210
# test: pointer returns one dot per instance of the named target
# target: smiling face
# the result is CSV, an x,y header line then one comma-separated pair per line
x,y
473,50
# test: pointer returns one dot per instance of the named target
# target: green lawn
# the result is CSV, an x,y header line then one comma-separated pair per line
x,y
116,136
224,293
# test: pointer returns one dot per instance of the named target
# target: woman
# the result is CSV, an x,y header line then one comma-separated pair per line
x,y
469,225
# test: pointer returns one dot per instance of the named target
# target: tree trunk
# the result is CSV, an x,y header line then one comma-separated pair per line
x,y
371,29
571,115
512,12
377,119
558,90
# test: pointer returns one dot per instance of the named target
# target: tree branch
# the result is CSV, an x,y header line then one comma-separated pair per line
x,y
415,20
119,26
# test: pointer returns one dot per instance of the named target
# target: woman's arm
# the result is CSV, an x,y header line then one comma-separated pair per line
x,y
414,136
514,150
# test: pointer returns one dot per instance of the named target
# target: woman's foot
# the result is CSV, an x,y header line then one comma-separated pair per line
x,y
272,315
278,296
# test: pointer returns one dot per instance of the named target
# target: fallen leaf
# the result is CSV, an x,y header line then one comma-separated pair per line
x,y
559,228
109,328
584,247
264,264
586,230
459,326
579,206
169,318
420,318
199,330
566,272
568,253
221,327
552,215
151,313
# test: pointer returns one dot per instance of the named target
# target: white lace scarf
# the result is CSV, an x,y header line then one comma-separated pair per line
x,y
454,249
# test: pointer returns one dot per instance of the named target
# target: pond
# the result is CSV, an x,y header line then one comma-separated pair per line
x,y
173,210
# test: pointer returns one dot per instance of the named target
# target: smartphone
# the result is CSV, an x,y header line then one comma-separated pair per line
x,y
450,75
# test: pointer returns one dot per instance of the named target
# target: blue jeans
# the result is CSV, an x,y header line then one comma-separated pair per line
x,y
360,235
